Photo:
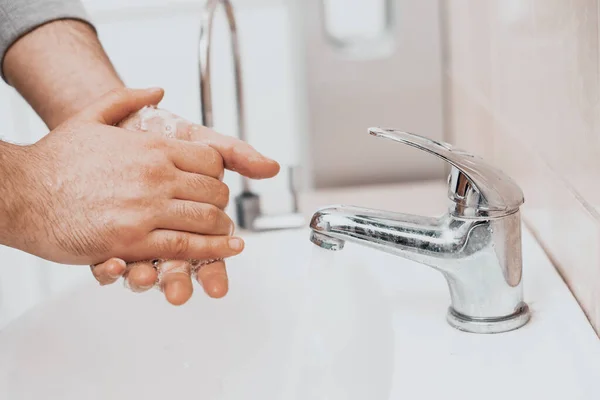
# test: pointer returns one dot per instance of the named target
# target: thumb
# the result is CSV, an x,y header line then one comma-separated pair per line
x,y
117,104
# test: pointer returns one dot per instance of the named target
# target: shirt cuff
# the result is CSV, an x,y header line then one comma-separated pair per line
x,y
18,18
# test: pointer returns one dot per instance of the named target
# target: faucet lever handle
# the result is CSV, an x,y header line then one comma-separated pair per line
x,y
477,188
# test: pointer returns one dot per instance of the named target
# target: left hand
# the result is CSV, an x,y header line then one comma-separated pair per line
x,y
174,276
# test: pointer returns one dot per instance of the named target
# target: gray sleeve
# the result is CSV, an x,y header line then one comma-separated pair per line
x,y
19,17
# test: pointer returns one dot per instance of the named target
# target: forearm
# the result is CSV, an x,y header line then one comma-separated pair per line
x,y
60,68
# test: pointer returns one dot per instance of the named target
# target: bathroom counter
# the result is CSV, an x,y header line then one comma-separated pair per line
x,y
379,331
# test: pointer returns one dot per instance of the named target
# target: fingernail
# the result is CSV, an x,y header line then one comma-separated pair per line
x,y
155,89
232,229
118,275
236,244
114,275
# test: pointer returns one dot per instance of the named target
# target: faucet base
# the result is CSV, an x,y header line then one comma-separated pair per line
x,y
489,325
247,205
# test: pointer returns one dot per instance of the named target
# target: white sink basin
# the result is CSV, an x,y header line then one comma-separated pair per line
x,y
357,324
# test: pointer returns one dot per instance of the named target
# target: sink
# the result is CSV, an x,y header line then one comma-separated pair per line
x,y
300,323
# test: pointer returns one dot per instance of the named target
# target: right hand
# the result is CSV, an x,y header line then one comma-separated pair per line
x,y
174,277
89,191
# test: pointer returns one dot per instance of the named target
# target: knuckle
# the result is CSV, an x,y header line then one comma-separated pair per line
x,y
210,215
176,245
150,174
223,195
215,159
155,172
129,234
182,210
215,192
200,183
126,228
188,211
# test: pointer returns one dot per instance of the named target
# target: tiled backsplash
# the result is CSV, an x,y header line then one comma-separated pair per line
x,y
522,80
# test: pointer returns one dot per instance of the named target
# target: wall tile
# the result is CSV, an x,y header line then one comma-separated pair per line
x,y
523,90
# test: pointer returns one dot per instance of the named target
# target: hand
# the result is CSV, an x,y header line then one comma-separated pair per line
x,y
89,191
173,277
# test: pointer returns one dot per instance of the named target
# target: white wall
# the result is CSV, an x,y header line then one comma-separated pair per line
x,y
370,76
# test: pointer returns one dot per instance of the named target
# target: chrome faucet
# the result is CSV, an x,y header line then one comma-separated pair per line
x,y
476,245
249,213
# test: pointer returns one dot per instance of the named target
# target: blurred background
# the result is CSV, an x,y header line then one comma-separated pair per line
x,y
514,81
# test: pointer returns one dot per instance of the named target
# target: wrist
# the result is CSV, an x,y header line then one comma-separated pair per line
x,y
60,68
13,204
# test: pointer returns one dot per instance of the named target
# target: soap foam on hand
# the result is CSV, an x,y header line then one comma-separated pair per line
x,y
151,118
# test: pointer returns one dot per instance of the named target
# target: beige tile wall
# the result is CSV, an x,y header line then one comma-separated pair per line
x,y
522,87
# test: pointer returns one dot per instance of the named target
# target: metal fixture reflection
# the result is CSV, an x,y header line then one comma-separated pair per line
x,y
476,245
249,213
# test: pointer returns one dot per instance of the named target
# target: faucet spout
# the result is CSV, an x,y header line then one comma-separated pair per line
x,y
479,257
422,239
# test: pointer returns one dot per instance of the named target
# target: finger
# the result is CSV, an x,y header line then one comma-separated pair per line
x,y
177,245
198,158
202,189
141,276
175,281
214,280
109,271
237,155
117,104
200,218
